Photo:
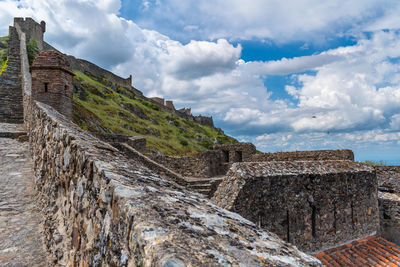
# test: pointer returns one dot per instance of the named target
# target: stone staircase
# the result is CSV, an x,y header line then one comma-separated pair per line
x,y
205,186
11,106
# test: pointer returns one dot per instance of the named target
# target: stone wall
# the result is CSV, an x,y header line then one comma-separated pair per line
x,y
11,109
136,142
207,164
32,29
106,210
314,205
389,201
204,120
343,154
389,216
84,65
237,152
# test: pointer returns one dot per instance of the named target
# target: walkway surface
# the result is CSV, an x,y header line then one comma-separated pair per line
x,y
20,220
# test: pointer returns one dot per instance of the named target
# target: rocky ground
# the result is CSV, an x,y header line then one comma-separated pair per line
x,y
20,219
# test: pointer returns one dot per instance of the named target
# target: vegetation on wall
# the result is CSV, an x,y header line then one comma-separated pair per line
x,y
375,163
3,53
32,50
104,108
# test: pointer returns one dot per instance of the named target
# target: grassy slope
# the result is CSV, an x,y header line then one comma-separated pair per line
x,y
100,106
3,50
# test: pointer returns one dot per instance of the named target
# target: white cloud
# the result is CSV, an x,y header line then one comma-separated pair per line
x,y
199,58
282,21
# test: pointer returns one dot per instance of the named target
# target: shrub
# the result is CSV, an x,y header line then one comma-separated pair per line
x,y
375,163
183,142
32,50
4,67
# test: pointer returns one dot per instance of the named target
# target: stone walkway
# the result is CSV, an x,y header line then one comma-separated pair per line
x,y
20,220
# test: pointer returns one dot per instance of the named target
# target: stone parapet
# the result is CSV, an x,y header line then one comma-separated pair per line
x,y
342,154
389,213
106,210
311,204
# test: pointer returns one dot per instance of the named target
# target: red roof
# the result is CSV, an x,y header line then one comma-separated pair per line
x,y
371,251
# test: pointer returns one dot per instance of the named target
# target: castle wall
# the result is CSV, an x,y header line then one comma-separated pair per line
x,y
136,142
237,152
314,205
207,164
11,109
389,202
343,154
84,65
32,29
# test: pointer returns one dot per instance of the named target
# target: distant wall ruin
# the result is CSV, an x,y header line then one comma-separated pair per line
x,y
343,154
32,29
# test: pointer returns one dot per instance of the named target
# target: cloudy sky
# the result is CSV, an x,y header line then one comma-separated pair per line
x,y
285,75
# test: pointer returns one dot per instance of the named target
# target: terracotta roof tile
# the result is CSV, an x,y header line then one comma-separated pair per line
x,y
370,251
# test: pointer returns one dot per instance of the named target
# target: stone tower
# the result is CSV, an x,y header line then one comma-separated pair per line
x,y
32,29
52,81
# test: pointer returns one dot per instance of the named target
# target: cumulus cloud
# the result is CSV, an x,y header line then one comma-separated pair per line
x,y
199,58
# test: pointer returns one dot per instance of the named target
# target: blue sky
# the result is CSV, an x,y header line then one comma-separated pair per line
x,y
285,75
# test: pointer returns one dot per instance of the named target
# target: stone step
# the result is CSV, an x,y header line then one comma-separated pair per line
x,y
200,186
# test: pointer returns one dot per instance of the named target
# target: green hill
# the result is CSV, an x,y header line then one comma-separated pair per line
x,y
103,107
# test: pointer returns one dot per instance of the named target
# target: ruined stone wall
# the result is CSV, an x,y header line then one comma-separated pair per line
x,y
389,202
136,142
32,29
84,65
207,164
11,109
389,216
106,210
314,205
237,152
343,154
204,120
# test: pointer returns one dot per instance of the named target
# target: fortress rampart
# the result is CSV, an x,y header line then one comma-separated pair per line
x,y
315,205
343,154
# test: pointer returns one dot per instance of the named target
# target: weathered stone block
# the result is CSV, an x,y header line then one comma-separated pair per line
x,y
312,204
